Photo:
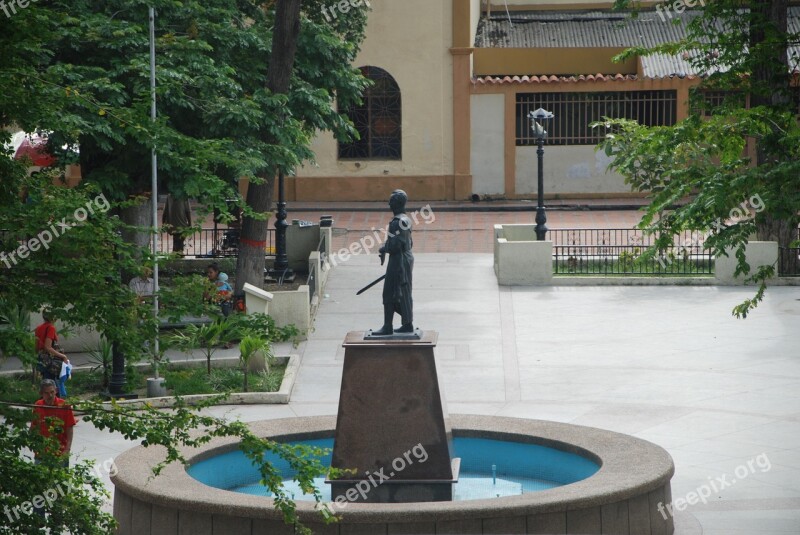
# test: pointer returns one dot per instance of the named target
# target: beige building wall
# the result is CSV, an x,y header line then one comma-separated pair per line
x,y
572,169
410,39
487,155
475,7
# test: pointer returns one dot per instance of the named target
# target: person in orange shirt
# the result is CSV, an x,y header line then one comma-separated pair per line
x,y
53,418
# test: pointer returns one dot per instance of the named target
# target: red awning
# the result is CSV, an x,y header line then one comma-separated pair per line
x,y
36,150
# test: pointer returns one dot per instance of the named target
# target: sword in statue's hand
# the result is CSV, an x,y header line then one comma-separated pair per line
x,y
370,285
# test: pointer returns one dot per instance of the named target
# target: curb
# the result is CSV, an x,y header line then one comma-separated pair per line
x,y
239,398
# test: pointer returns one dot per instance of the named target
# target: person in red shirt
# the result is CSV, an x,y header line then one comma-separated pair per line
x,y
53,418
47,342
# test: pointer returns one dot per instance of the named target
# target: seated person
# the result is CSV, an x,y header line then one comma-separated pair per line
x,y
224,294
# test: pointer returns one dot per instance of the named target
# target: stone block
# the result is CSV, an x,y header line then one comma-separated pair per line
x,y
584,521
141,515
418,528
639,514
194,523
470,526
231,525
164,521
659,523
505,525
615,518
122,512
548,524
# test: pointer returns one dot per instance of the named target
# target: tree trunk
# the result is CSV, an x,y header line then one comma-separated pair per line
x,y
137,216
772,73
782,231
251,261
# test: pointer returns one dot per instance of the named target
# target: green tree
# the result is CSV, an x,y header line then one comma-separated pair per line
x,y
80,510
234,98
702,163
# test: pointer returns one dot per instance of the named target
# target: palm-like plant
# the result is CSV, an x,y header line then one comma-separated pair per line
x,y
249,346
206,337
102,359
17,339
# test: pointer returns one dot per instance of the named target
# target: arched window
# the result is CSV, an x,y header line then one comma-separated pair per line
x,y
378,120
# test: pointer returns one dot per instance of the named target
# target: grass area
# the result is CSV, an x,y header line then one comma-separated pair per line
x,y
180,382
624,266
184,382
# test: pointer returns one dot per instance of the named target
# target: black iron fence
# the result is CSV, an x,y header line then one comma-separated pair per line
x,y
212,243
789,259
621,252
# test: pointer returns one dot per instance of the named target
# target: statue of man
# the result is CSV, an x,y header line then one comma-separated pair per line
x,y
397,285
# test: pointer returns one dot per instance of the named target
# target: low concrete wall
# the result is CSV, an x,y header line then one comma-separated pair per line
x,y
520,260
293,308
282,396
300,242
757,253
622,498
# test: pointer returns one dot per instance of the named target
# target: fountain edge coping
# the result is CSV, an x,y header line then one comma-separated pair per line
x,y
629,468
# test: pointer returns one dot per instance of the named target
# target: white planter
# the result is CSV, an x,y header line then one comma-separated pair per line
x,y
155,387
519,259
757,254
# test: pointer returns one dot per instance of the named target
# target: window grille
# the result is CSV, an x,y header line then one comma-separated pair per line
x,y
574,112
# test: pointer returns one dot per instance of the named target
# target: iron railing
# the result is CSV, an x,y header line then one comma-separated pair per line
x,y
213,243
789,259
620,252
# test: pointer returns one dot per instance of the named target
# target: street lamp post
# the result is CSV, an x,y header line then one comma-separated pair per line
x,y
540,134
280,270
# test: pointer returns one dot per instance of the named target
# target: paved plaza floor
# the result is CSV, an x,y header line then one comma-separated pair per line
x,y
666,364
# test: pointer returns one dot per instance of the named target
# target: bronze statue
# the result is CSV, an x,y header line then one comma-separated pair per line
x,y
397,282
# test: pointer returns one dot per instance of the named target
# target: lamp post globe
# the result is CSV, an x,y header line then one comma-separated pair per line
x,y
537,117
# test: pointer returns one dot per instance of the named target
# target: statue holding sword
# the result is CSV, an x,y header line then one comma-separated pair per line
x,y
397,281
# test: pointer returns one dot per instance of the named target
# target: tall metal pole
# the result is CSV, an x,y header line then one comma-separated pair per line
x,y
541,216
154,173
281,267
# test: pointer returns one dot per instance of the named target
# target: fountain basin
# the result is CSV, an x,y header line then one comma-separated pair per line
x,y
622,497
489,469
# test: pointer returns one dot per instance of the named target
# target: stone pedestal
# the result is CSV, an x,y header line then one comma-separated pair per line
x,y
391,427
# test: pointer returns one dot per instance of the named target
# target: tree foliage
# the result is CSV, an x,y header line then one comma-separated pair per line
x,y
78,71
80,511
728,151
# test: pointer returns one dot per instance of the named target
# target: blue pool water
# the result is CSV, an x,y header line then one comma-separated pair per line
x,y
489,469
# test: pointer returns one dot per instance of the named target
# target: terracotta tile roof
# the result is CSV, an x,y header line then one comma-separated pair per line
x,y
499,80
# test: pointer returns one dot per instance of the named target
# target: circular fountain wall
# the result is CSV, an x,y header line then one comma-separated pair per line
x,y
621,497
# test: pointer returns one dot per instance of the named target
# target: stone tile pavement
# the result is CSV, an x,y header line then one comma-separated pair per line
x,y
666,364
